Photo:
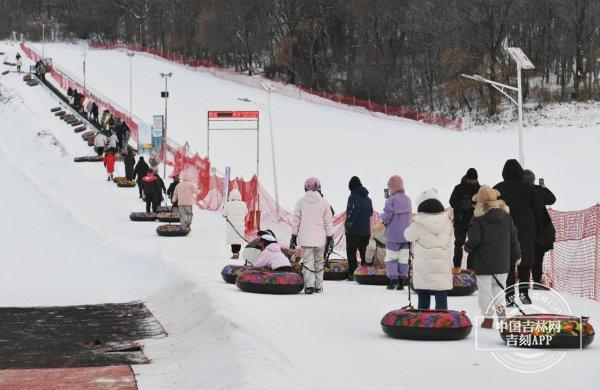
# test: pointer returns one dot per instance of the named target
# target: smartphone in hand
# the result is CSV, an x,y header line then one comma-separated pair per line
x,y
386,193
542,184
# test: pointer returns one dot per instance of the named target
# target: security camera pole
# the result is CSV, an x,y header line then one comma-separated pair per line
x,y
522,63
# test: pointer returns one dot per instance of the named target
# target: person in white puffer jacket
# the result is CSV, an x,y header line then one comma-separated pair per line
x,y
235,211
430,234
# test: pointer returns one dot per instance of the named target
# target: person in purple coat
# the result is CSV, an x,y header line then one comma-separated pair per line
x,y
397,215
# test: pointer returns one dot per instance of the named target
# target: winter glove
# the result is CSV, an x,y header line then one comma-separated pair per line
x,y
329,244
293,242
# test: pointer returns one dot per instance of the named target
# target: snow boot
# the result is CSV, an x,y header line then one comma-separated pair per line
x,y
488,323
108,179
309,290
392,285
318,290
235,256
401,282
351,278
524,297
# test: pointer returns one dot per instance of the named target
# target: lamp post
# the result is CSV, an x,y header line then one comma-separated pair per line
x,y
269,89
84,56
130,55
165,94
43,41
522,63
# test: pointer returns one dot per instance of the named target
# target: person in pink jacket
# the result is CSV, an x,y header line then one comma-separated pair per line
x,y
185,195
271,255
312,229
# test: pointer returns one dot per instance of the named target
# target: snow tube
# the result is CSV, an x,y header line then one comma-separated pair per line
x,y
142,216
79,129
231,272
165,209
269,282
5,72
76,123
547,331
59,113
87,135
32,83
336,269
168,217
88,159
172,231
55,109
126,183
463,284
370,274
27,77
415,324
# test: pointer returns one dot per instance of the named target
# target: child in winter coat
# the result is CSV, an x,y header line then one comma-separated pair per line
x,y
396,216
493,241
235,211
109,162
185,195
154,161
312,229
271,255
430,234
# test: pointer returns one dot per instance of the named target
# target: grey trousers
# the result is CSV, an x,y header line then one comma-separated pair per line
x,y
313,259
185,215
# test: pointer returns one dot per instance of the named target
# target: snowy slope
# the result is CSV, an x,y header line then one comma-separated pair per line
x,y
334,144
220,337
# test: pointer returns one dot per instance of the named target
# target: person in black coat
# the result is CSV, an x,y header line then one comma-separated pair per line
x,y
525,205
545,237
493,242
141,169
129,162
95,112
152,195
358,224
462,203
171,190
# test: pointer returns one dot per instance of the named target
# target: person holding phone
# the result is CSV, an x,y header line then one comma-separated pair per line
x,y
546,235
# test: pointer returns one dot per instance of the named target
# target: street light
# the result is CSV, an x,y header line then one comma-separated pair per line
x,y
522,63
269,88
43,41
165,94
84,55
130,55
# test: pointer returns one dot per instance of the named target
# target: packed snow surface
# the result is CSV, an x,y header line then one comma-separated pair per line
x,y
70,239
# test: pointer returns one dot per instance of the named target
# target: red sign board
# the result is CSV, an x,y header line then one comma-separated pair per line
x,y
233,114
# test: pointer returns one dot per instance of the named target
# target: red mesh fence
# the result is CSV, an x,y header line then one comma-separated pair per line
x,y
216,70
571,267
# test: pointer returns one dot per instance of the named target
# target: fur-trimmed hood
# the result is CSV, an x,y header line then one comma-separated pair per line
x,y
482,208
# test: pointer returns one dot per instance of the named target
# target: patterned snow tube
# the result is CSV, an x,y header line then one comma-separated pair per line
x,y
168,217
547,331
415,324
165,209
79,129
59,113
231,272
88,159
463,284
370,274
90,142
127,183
142,217
336,269
269,282
87,135
172,231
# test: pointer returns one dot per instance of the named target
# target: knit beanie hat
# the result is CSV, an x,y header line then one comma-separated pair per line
x,y
395,184
471,174
354,182
312,184
429,202
528,176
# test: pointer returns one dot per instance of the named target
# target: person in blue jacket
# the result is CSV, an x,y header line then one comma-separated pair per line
x,y
358,224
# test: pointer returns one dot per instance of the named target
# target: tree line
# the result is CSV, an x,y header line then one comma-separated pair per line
x,y
399,52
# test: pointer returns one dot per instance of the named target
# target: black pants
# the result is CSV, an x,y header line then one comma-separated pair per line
x,y
460,237
285,268
100,150
354,243
235,248
524,277
523,273
152,199
140,188
536,270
